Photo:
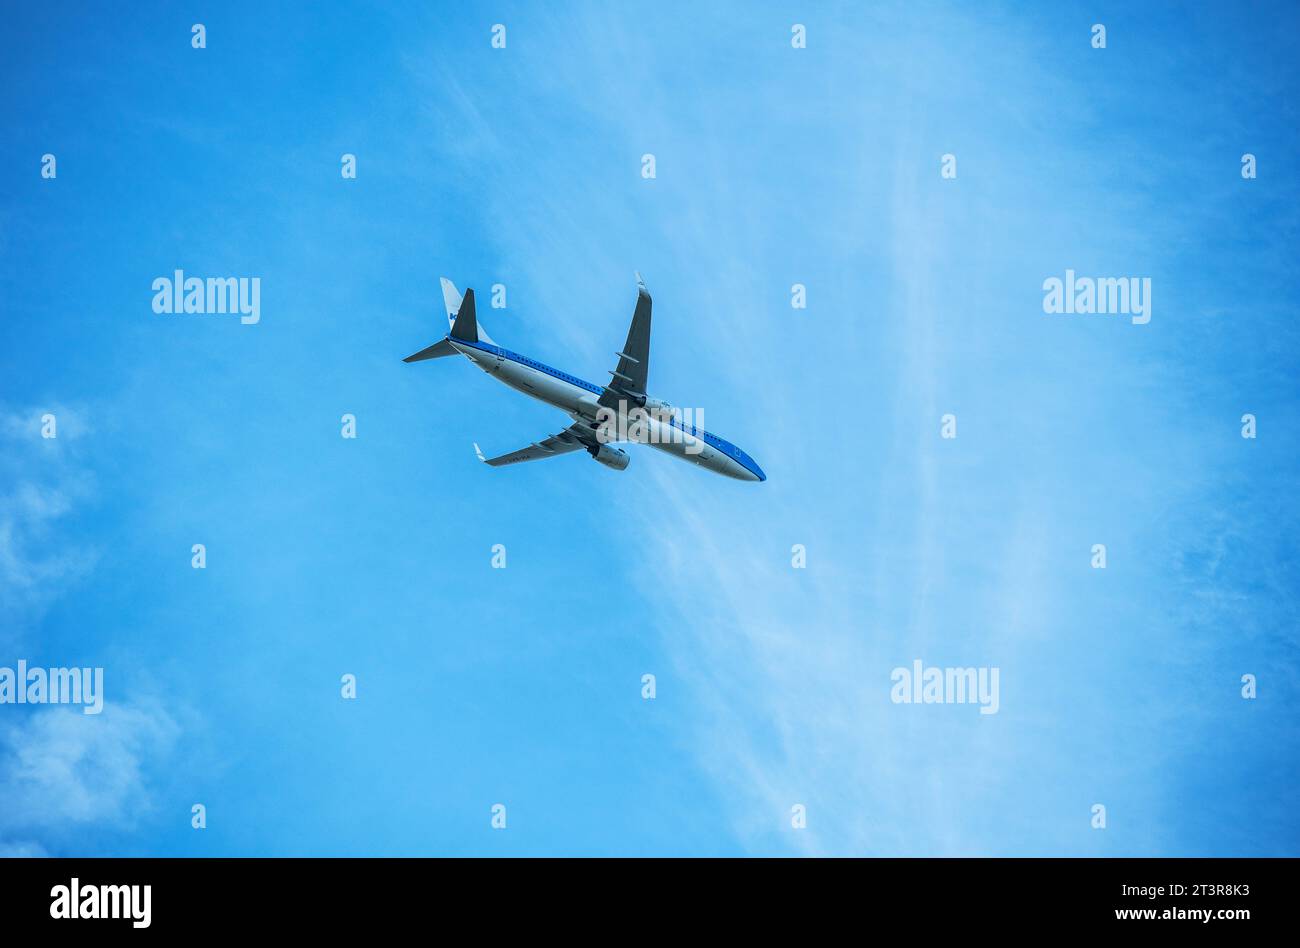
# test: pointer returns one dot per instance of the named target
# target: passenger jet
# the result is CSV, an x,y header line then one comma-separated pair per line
x,y
590,406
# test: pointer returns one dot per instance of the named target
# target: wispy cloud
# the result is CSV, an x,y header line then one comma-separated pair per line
x,y
61,769
42,481
22,849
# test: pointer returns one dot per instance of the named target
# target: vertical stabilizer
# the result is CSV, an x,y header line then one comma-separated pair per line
x,y
453,301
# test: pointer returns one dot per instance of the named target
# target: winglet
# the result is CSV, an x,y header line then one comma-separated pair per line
x,y
640,286
479,453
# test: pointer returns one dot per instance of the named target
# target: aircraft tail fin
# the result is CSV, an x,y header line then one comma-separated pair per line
x,y
465,325
461,320
454,303
451,299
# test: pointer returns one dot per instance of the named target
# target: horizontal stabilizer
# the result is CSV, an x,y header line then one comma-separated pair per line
x,y
438,350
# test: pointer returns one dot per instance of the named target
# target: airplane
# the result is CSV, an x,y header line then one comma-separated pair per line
x,y
593,408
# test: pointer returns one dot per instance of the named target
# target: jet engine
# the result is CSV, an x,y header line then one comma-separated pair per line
x,y
610,457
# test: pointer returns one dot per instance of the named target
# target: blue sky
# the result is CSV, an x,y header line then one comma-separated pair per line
x,y
522,686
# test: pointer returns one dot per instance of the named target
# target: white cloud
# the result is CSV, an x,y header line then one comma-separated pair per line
x,y
22,849
41,483
59,767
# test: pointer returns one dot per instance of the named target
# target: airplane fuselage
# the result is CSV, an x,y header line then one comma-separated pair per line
x,y
578,398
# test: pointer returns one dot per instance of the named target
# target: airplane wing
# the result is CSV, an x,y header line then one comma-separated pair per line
x,y
633,372
573,438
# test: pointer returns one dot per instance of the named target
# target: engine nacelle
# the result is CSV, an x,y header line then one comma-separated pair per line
x,y
610,457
